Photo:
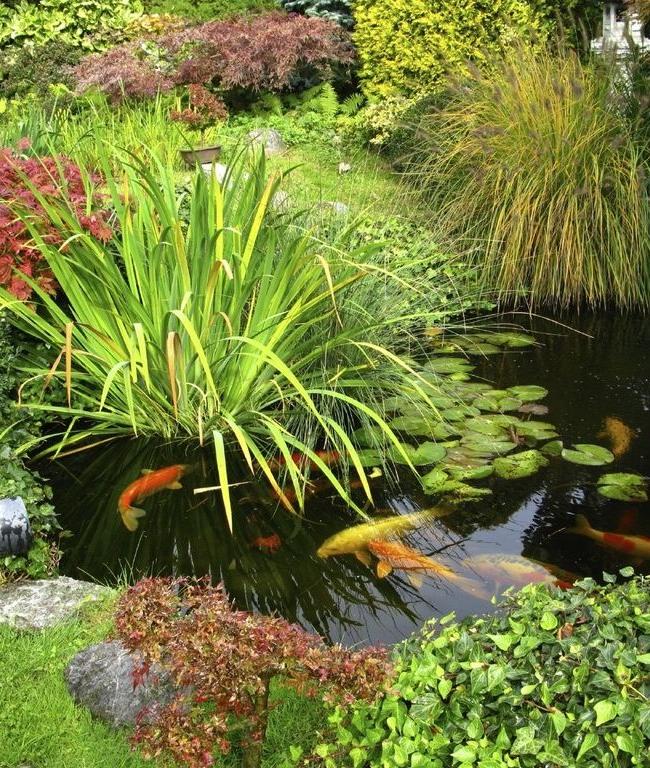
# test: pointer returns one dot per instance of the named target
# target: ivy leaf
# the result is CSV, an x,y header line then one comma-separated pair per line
x,y
588,743
559,721
548,621
464,755
605,711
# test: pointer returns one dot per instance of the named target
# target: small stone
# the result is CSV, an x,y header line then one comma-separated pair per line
x,y
344,167
335,207
45,602
268,138
281,201
219,169
101,679
15,530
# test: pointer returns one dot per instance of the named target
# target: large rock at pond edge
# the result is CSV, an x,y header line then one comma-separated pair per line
x,y
268,138
43,603
15,530
101,679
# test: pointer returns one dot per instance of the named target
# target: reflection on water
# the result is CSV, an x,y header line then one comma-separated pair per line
x,y
588,378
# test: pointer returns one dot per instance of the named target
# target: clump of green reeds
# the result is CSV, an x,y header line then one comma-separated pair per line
x,y
534,169
212,319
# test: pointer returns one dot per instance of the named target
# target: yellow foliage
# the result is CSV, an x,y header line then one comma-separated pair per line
x,y
407,46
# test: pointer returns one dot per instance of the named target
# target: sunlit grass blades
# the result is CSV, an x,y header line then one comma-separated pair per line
x,y
532,167
221,324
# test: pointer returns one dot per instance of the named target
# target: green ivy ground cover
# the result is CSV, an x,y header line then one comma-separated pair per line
x,y
553,679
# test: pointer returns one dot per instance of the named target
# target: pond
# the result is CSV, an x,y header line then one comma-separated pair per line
x,y
599,369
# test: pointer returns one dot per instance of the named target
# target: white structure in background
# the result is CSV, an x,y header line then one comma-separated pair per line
x,y
622,31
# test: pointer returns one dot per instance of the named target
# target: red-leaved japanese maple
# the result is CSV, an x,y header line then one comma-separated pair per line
x,y
222,661
23,180
268,52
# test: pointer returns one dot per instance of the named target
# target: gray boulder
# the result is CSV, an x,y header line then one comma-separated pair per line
x,y
100,678
268,138
45,602
15,530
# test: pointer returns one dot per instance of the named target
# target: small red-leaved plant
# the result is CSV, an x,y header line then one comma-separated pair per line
x,y
222,661
23,181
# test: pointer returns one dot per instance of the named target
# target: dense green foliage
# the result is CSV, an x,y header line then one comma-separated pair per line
x,y
90,25
16,426
554,678
554,204
400,55
35,69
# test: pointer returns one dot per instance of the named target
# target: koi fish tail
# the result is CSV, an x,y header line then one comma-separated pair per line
x,y
582,527
472,587
130,517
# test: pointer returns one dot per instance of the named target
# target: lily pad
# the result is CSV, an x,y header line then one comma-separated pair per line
x,y
519,464
370,458
553,448
434,481
449,365
537,430
512,340
470,473
459,413
480,348
428,453
369,435
623,486
455,490
589,455
413,425
528,392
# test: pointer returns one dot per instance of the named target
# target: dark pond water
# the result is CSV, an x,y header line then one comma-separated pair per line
x,y
599,369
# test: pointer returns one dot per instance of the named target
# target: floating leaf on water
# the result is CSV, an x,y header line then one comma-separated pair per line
x,y
535,409
481,348
511,340
449,365
370,458
491,426
470,473
475,441
414,425
460,413
443,430
433,481
428,453
537,430
509,404
623,486
553,448
528,392
519,464
487,403
455,490
369,435
589,455
460,376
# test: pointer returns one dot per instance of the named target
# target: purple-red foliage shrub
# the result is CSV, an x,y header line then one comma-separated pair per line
x,y
222,661
268,52
204,108
22,181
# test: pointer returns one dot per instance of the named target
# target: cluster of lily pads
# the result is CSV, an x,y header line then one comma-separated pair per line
x,y
469,431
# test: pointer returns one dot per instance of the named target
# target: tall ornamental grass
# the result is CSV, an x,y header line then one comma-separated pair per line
x,y
211,318
532,168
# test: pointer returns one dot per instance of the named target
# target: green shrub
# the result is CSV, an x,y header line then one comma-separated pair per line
x,y
408,46
206,10
35,69
90,25
18,426
554,678
553,203
339,11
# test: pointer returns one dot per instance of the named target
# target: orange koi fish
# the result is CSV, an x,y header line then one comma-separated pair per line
x,y
270,544
151,482
618,433
638,546
392,555
300,460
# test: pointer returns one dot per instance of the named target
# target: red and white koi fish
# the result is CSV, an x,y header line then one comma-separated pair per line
x,y
151,482
638,546
517,571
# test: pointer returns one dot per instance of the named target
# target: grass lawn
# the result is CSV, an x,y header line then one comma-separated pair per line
x,y
40,726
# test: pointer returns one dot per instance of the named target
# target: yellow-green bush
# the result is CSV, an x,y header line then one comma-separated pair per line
x,y
407,46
